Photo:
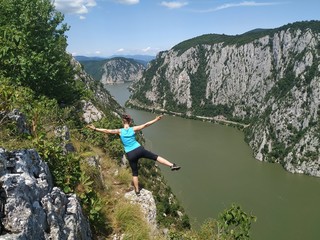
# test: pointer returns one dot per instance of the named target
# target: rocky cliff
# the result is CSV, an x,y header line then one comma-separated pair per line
x,y
120,70
269,79
115,70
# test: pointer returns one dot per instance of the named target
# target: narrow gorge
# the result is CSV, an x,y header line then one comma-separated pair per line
x,y
268,79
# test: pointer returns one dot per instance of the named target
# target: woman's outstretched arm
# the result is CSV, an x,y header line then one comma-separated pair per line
x,y
103,130
147,124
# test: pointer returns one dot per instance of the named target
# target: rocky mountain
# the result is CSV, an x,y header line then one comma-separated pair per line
x,y
115,70
268,79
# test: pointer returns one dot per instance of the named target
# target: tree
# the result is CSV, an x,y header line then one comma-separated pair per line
x,y
33,48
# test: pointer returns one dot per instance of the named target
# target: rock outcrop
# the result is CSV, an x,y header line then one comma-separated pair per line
x,y
18,118
147,204
31,207
91,113
121,70
269,79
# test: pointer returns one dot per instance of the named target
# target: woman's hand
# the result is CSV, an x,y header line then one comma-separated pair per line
x,y
159,117
91,127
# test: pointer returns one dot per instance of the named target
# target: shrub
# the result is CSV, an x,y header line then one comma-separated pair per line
x,y
65,168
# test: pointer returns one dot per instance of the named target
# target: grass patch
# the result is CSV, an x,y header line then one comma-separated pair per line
x,y
124,176
129,219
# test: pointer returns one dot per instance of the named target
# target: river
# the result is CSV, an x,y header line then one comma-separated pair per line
x,y
218,169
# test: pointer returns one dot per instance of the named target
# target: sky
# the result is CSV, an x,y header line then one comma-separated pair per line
x,y
105,28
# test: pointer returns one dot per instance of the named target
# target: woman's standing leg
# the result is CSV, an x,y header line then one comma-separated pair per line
x,y
134,167
135,181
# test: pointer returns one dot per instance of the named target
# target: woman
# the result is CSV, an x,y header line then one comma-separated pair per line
x,y
134,151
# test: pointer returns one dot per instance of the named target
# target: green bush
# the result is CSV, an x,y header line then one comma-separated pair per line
x,y
232,224
65,168
235,224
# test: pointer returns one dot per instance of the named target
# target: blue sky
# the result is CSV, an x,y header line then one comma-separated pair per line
x,y
127,27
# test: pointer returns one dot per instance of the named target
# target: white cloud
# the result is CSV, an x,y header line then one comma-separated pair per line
x,y
241,4
128,2
146,49
74,6
244,4
82,17
173,5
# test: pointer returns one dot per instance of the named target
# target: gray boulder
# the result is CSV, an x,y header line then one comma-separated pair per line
x,y
31,207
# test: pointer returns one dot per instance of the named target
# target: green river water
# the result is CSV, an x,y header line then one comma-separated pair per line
x,y
218,169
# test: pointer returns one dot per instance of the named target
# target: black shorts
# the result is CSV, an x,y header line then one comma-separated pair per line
x,y
134,155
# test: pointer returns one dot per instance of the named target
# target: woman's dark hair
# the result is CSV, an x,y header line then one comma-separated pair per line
x,y
126,117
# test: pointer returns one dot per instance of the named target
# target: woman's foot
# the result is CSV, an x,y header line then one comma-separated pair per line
x,y
174,167
138,193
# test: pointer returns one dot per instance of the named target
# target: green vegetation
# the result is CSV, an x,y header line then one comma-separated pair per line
x,y
94,68
146,85
199,81
211,39
43,115
129,218
282,86
232,224
37,78
32,49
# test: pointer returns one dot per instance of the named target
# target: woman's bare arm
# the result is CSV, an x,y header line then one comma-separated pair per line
x,y
147,124
103,130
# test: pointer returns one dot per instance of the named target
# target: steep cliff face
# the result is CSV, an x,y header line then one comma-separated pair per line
x,y
120,70
115,70
270,80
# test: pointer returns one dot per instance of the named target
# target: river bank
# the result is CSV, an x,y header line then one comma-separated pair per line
x,y
217,119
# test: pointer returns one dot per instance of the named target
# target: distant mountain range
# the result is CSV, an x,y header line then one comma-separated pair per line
x,y
139,58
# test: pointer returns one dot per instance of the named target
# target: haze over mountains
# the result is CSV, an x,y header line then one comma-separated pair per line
x,y
144,58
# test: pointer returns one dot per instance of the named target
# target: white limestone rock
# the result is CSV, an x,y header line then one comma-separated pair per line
x,y
31,208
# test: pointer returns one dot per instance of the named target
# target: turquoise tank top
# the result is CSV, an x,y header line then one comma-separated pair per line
x,y
128,138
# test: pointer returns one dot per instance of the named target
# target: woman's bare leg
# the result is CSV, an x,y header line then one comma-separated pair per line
x,y
164,161
135,183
